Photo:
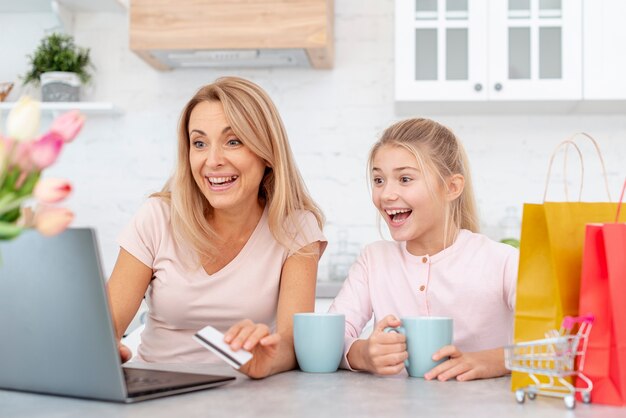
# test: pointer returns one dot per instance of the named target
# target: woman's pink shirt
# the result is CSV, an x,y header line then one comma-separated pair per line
x,y
182,300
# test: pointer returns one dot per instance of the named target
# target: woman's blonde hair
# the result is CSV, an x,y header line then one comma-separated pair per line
x,y
254,119
438,152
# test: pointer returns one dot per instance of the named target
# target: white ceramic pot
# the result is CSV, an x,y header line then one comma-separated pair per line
x,y
60,86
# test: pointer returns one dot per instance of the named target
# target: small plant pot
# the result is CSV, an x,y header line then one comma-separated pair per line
x,y
60,86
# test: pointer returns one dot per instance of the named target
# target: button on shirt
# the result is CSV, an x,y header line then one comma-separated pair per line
x,y
472,281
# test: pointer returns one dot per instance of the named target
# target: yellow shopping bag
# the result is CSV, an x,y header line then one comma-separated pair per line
x,y
551,248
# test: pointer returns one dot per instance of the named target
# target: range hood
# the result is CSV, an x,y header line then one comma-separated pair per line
x,y
232,33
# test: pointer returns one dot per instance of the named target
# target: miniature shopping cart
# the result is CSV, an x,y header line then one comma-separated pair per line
x,y
551,360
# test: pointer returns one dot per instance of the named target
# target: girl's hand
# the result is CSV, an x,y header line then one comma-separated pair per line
x,y
384,352
467,366
257,339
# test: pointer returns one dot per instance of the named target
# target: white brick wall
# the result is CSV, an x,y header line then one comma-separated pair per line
x,y
332,118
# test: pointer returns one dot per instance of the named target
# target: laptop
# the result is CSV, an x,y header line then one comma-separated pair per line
x,y
56,332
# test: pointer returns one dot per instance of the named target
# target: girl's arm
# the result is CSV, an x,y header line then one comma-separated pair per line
x,y
275,353
126,288
468,366
354,301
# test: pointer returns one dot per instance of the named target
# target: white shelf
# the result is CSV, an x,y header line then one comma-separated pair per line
x,y
30,6
88,108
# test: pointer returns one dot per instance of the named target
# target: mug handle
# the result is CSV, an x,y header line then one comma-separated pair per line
x,y
399,330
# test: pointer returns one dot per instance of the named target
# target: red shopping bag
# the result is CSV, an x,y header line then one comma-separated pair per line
x,y
603,292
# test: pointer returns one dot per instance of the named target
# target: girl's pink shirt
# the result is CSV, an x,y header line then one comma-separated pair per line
x,y
472,281
181,300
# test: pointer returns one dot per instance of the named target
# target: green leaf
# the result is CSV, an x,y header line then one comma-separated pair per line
x,y
9,230
11,216
29,184
511,241
57,52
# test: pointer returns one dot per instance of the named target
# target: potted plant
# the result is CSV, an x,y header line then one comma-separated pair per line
x,y
61,67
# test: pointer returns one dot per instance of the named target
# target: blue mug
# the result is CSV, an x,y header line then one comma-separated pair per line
x,y
425,335
318,341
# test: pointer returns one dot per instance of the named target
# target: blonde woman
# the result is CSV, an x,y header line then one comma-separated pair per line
x,y
437,264
233,240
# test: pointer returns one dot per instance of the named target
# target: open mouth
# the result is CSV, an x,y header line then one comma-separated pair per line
x,y
222,181
398,216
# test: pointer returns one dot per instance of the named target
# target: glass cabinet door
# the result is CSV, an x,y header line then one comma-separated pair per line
x,y
528,57
441,50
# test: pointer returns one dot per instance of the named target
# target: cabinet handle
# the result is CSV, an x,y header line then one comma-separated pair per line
x,y
478,87
497,86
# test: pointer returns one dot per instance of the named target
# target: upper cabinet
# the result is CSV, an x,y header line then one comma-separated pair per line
x,y
223,33
604,38
488,50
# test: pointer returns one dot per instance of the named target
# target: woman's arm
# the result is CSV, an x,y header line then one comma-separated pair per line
x,y
275,353
297,294
126,288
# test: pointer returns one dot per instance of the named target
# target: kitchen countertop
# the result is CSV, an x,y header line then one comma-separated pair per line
x,y
327,288
342,394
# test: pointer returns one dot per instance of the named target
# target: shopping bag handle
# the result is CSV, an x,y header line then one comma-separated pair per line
x,y
566,143
619,204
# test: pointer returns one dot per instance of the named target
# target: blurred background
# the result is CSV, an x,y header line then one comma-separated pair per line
x,y
511,78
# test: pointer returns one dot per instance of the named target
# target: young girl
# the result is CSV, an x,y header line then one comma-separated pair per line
x,y
437,265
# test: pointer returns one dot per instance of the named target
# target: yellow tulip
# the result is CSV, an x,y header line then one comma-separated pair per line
x,y
50,220
23,120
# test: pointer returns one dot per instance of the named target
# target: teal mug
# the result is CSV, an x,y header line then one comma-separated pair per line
x,y
318,341
425,335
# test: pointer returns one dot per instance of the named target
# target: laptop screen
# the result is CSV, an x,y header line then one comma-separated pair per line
x,y
56,329
57,335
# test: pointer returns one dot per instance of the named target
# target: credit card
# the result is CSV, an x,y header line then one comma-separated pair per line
x,y
213,340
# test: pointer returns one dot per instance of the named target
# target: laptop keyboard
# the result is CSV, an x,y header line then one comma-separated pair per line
x,y
141,382
137,378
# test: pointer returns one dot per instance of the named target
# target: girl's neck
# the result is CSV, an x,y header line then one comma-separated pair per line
x,y
433,244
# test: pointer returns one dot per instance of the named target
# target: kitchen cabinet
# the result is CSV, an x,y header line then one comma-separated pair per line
x,y
170,34
604,38
488,50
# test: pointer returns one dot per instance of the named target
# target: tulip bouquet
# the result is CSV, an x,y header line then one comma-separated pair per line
x,y
23,156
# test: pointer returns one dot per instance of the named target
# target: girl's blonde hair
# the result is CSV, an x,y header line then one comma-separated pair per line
x,y
438,152
254,119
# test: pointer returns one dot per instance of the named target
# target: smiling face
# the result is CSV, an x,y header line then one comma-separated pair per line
x,y
227,172
401,192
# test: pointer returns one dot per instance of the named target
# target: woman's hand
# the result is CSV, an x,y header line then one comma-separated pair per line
x,y
125,353
467,366
383,352
257,339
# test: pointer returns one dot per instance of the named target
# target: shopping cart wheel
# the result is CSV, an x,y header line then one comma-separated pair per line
x,y
570,401
520,395
587,397
532,396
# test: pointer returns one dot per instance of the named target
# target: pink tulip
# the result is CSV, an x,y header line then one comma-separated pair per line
x,y
45,150
50,220
52,190
20,155
68,125
4,152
